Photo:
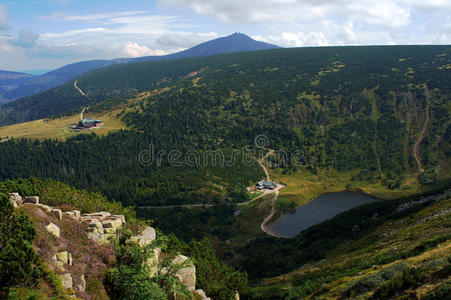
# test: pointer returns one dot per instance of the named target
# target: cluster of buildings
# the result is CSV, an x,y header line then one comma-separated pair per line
x,y
87,124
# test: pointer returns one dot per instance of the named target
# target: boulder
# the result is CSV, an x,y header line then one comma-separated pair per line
x,y
201,294
64,257
53,229
16,198
31,200
121,217
44,207
111,226
66,280
98,215
101,238
95,236
57,213
59,265
146,237
187,275
95,226
152,262
74,214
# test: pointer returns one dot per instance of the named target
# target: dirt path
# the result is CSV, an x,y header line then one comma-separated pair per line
x,y
78,89
415,150
82,112
263,226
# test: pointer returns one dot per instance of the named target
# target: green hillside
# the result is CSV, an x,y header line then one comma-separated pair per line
x,y
378,113
390,250
375,119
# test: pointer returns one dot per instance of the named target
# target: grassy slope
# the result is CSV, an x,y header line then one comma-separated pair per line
x,y
59,128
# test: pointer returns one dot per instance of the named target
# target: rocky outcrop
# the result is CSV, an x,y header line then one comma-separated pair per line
x,y
187,274
54,230
31,200
146,237
44,207
74,214
423,200
66,280
15,199
201,294
61,260
101,228
57,213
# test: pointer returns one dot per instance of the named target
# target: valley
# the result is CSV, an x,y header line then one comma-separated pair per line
x,y
183,140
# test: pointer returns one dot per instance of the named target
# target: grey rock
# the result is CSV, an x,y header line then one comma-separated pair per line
x,y
31,200
44,207
187,275
201,294
146,237
16,199
74,214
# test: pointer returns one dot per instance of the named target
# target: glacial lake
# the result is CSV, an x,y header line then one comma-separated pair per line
x,y
320,209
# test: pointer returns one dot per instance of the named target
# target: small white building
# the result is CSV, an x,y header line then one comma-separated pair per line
x,y
269,185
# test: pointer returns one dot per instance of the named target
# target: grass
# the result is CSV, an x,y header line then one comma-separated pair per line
x,y
59,128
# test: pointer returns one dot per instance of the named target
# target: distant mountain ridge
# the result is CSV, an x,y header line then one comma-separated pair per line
x,y
27,86
11,80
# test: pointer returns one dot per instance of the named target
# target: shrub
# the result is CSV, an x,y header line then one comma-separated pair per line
x,y
18,260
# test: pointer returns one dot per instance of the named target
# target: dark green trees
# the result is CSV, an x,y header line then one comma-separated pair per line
x,y
18,261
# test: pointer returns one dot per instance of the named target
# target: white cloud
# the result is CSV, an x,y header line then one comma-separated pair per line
x,y
185,39
4,17
428,5
71,33
387,13
68,51
135,50
26,39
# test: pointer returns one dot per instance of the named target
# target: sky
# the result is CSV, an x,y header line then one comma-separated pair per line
x,y
40,35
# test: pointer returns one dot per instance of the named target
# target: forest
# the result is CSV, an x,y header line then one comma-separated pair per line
x,y
353,109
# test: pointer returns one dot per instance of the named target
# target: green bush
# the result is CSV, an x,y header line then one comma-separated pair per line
x,y
19,264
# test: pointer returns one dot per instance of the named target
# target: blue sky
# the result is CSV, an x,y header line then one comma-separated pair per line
x,y
46,34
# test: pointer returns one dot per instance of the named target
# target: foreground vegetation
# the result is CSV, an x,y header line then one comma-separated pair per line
x,y
25,275
377,251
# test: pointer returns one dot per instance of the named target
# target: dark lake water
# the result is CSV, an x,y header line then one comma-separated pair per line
x,y
320,209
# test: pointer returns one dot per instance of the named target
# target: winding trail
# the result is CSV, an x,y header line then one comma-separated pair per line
x,y
415,150
79,89
82,112
263,226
